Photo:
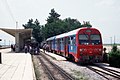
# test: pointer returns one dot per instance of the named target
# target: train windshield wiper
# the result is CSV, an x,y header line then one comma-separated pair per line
x,y
86,35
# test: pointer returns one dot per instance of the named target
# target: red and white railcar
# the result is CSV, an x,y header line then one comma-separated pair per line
x,y
82,45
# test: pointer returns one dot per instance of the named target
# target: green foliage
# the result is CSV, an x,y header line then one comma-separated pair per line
x,y
54,16
53,27
56,26
114,57
86,24
71,24
36,29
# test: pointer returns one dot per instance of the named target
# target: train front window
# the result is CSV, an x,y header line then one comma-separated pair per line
x,y
95,39
83,39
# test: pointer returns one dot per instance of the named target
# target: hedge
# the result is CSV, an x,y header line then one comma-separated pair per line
x,y
114,57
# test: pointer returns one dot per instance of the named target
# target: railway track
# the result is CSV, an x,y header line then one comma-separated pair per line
x,y
107,73
53,71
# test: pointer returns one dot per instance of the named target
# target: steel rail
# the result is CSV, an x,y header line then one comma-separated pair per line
x,y
96,70
50,75
62,72
109,70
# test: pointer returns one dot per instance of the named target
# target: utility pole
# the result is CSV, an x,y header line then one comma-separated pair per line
x,y
16,24
111,41
16,38
114,39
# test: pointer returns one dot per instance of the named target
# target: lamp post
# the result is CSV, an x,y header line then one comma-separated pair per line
x,y
114,39
111,41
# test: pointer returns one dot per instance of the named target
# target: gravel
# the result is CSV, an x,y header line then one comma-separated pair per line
x,y
39,72
78,71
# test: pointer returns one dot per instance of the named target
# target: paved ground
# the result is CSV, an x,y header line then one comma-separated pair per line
x,y
57,57
16,66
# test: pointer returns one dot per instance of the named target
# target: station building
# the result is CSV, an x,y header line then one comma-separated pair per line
x,y
21,37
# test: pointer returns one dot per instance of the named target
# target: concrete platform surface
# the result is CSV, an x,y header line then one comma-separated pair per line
x,y
16,66
57,57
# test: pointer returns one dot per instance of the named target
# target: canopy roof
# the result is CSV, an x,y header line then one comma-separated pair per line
x,y
23,32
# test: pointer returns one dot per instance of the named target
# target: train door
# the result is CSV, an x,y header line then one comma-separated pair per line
x,y
66,46
72,45
71,48
62,45
55,45
58,45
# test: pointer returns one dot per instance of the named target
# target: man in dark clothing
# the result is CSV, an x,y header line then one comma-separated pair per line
x,y
26,49
105,56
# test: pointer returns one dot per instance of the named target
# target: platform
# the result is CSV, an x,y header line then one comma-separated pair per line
x,y
55,56
16,66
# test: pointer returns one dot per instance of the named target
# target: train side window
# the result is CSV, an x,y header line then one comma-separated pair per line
x,y
62,41
55,41
71,40
74,40
71,37
68,40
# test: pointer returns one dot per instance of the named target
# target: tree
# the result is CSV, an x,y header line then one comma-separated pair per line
x,y
52,25
114,57
36,29
54,16
29,24
37,23
86,24
56,26
71,24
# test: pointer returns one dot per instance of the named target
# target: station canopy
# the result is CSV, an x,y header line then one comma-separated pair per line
x,y
21,36
25,33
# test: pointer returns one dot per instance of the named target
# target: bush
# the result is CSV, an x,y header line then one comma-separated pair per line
x,y
114,57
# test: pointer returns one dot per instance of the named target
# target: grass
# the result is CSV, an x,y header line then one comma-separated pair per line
x,y
79,75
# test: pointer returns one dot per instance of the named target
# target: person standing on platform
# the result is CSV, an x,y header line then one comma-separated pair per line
x,y
11,47
25,48
30,49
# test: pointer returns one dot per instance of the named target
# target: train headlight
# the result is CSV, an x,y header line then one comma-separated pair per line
x,y
100,49
81,50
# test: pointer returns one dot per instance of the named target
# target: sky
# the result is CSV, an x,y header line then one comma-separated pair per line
x,y
102,14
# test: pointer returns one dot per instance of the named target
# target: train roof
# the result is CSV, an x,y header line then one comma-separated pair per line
x,y
68,33
51,38
73,32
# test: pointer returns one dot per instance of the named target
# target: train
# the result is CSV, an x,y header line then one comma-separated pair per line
x,y
83,45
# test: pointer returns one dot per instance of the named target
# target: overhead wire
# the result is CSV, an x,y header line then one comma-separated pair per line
x,y
9,10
